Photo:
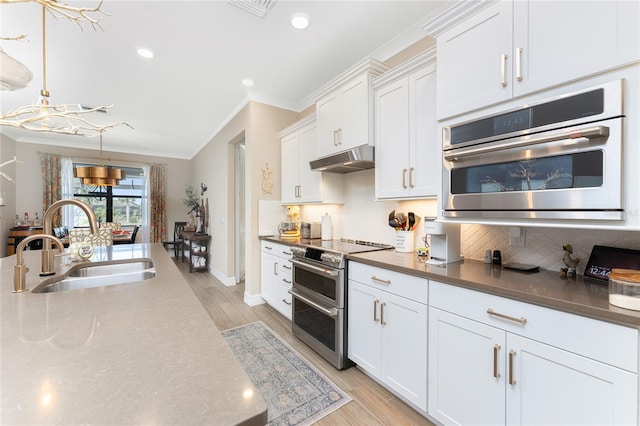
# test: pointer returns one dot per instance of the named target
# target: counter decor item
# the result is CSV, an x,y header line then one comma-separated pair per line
x,y
570,260
624,288
404,241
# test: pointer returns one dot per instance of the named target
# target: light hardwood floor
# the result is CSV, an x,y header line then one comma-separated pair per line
x,y
371,405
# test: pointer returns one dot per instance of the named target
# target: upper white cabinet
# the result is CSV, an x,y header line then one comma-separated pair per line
x,y
299,183
407,146
344,109
510,49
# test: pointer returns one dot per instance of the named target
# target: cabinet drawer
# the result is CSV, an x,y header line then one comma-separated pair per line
x,y
408,286
276,249
600,340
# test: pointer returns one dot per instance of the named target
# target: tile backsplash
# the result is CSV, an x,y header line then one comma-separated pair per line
x,y
360,217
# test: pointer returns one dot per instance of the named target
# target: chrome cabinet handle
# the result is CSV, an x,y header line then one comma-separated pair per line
x,y
404,178
286,302
286,281
512,381
339,136
519,63
380,280
411,177
496,349
520,320
275,268
287,267
503,69
268,248
375,310
382,322
335,137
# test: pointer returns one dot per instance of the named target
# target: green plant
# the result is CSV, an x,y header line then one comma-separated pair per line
x,y
191,199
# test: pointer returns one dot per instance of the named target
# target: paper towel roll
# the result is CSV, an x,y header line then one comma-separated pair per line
x,y
325,227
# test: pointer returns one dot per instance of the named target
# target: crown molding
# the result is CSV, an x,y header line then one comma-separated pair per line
x,y
372,66
456,13
407,67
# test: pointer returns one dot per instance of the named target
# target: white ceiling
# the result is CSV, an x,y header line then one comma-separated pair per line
x,y
179,100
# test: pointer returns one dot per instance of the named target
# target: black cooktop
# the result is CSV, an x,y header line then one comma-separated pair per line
x,y
345,246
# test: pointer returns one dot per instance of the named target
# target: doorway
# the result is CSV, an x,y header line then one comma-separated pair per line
x,y
239,209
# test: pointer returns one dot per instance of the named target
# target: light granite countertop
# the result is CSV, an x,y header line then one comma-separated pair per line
x,y
137,353
544,288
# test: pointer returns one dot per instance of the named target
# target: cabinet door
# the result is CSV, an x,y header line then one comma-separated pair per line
x,y
392,139
404,348
570,389
289,169
354,118
328,111
553,52
364,327
310,181
269,278
425,148
464,386
472,71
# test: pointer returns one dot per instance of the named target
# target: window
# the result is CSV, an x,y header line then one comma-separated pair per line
x,y
121,203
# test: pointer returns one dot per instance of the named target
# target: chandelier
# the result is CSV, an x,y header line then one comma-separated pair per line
x,y
99,175
42,116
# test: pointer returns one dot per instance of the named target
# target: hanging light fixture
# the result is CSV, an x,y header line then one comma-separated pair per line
x,y
42,116
99,175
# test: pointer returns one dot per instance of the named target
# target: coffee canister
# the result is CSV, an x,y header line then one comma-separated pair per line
x,y
624,288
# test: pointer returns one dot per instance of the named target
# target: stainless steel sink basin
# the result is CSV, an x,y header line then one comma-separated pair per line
x,y
101,274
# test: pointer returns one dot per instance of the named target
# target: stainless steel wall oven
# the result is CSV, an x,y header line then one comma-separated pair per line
x,y
556,159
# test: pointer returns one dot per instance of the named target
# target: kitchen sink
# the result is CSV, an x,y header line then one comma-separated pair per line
x,y
101,274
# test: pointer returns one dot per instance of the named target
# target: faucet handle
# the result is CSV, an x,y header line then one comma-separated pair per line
x,y
19,278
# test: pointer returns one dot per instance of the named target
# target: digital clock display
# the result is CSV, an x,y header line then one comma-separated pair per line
x,y
512,122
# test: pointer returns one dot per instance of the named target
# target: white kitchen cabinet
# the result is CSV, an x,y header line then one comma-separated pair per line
x,y
275,276
510,49
344,109
299,183
387,332
407,145
517,365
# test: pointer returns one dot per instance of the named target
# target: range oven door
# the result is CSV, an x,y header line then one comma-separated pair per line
x,y
320,326
569,173
325,283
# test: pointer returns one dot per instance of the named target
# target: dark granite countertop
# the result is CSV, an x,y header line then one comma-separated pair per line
x,y
544,288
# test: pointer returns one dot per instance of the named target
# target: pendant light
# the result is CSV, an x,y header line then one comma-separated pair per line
x,y
99,175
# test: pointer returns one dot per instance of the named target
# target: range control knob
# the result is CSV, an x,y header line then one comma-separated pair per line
x,y
330,258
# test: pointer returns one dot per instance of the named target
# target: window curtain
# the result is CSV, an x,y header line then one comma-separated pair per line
x,y
154,198
51,168
67,191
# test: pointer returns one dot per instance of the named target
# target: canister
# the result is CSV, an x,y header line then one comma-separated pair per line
x,y
624,288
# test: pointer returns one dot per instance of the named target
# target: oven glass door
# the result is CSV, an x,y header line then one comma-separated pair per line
x,y
324,283
546,175
320,326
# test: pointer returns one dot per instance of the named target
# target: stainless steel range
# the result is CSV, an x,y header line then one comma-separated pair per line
x,y
319,290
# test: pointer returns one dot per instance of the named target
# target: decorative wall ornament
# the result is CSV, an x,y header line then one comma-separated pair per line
x,y
267,183
6,176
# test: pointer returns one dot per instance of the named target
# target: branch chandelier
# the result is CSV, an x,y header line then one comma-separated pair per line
x,y
66,119
99,175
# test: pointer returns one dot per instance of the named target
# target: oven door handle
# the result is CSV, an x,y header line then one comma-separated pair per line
x,y
573,135
332,312
324,271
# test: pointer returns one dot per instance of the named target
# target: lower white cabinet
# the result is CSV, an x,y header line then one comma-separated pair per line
x,y
498,361
275,275
387,317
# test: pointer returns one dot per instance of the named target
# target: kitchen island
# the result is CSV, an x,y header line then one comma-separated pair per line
x,y
137,353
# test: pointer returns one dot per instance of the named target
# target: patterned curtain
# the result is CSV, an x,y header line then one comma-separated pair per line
x,y
157,209
51,167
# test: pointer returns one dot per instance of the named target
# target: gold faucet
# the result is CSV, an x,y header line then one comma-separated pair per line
x,y
20,269
47,266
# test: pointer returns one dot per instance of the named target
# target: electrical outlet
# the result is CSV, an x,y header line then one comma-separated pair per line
x,y
517,237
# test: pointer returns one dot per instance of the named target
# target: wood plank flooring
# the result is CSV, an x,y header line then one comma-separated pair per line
x,y
371,405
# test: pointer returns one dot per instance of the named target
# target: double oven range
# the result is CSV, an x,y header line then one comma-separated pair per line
x,y
319,295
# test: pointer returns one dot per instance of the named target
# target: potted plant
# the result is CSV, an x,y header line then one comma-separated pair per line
x,y
192,201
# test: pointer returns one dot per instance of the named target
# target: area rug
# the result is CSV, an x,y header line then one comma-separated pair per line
x,y
296,393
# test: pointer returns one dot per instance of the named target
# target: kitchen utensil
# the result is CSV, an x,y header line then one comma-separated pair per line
x,y
393,223
412,221
402,221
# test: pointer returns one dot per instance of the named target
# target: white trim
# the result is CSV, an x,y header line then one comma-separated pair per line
x,y
225,280
253,299
372,66
456,13
405,68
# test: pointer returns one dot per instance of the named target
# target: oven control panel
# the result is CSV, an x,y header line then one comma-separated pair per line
x,y
331,259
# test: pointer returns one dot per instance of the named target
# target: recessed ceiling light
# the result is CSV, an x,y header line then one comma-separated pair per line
x,y
300,21
146,53
247,82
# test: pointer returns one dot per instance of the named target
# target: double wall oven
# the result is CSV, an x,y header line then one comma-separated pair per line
x,y
557,159
319,290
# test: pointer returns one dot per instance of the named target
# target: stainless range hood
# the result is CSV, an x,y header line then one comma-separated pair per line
x,y
351,160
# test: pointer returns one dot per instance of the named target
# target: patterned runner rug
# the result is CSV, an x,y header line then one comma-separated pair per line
x,y
296,393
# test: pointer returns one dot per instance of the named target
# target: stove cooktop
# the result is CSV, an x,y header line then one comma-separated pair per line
x,y
346,246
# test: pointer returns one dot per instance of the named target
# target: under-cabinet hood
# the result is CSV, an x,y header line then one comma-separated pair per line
x,y
351,160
